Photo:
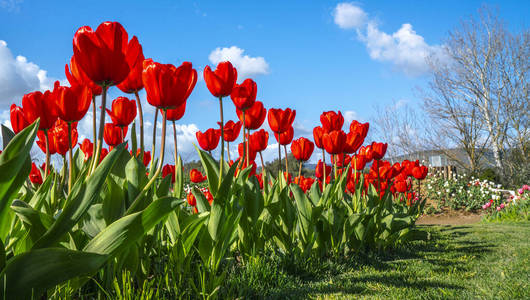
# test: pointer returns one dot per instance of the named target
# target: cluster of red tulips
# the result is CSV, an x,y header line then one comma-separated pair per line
x,y
106,57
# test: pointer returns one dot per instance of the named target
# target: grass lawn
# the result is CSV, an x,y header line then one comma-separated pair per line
x,y
480,261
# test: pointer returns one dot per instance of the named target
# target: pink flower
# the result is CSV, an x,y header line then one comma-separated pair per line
x,y
520,191
526,187
484,206
498,208
502,205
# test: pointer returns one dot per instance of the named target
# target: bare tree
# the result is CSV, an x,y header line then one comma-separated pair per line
x,y
479,86
401,126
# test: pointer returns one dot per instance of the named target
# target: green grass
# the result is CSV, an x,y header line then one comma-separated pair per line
x,y
482,261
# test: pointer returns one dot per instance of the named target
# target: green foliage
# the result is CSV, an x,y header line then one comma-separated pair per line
x,y
110,230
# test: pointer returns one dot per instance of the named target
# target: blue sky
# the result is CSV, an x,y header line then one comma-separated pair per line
x,y
308,55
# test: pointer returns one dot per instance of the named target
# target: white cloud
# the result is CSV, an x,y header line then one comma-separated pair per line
x,y
18,76
349,116
348,15
246,65
11,5
404,49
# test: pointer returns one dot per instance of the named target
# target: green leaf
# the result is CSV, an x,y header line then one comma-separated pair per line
x,y
226,183
38,221
2,255
15,166
82,195
114,197
119,235
216,219
134,143
49,267
202,203
41,195
179,179
135,173
7,136
211,168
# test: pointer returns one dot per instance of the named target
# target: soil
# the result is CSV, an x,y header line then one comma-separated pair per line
x,y
450,218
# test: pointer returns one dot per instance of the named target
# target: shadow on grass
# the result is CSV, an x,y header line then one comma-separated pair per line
x,y
448,250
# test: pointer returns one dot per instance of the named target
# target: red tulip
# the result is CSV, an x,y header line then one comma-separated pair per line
x,y
123,111
254,116
302,149
331,121
176,114
41,142
420,172
135,59
319,170
18,118
231,130
60,136
146,158
104,153
88,148
358,162
281,120
72,102
78,77
379,150
167,86
113,134
244,95
353,142
317,136
196,176
209,139
241,150
367,152
360,128
258,141
35,175
285,137
339,158
102,54
334,141
401,186
191,199
221,81
305,183
169,170
38,105
208,196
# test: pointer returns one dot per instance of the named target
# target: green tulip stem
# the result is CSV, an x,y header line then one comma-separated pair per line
x,y
244,137
221,162
279,158
70,169
247,145
154,177
299,171
378,178
153,148
94,117
47,165
324,168
228,150
262,165
286,161
335,168
176,148
97,154
141,117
